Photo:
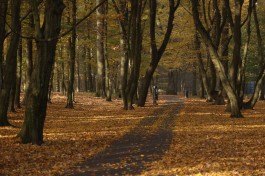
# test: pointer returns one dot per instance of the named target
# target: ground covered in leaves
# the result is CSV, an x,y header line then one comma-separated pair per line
x,y
177,137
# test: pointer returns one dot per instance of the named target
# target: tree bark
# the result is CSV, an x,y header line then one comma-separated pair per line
x,y
37,95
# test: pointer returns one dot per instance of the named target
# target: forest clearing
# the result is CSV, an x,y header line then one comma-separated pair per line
x,y
200,139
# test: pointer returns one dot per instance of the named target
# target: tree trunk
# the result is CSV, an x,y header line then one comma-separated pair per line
x,y
134,50
37,95
100,79
194,81
50,87
262,91
29,59
63,86
3,12
89,71
58,74
259,82
11,63
107,71
236,63
72,43
11,104
171,83
19,77
235,110
78,87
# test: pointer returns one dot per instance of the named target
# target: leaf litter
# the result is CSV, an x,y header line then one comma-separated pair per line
x,y
205,141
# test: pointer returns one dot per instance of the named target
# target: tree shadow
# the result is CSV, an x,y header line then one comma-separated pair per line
x,y
131,154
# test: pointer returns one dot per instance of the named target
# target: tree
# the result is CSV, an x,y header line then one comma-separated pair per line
x,y
131,47
72,43
100,79
19,75
29,57
11,63
215,57
46,37
3,10
258,86
156,53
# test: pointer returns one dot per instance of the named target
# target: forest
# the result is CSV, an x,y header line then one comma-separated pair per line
x,y
90,67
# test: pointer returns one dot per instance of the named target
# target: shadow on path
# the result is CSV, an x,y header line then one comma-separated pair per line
x,y
132,153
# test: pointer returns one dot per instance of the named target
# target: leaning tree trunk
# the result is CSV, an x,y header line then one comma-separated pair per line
x,y
37,95
3,10
11,63
259,82
204,78
235,110
262,91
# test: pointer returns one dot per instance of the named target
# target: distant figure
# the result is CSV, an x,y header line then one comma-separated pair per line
x,y
155,95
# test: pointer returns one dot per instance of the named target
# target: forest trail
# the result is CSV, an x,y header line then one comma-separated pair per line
x,y
137,149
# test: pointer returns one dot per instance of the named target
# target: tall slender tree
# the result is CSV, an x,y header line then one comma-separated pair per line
x,y
72,42
100,79
19,75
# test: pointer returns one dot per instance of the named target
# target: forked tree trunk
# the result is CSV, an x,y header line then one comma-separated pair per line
x,y
156,53
37,95
11,63
134,54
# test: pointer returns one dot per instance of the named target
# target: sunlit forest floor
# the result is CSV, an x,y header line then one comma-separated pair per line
x,y
177,137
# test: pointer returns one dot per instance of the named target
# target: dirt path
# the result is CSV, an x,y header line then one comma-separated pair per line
x,y
136,150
